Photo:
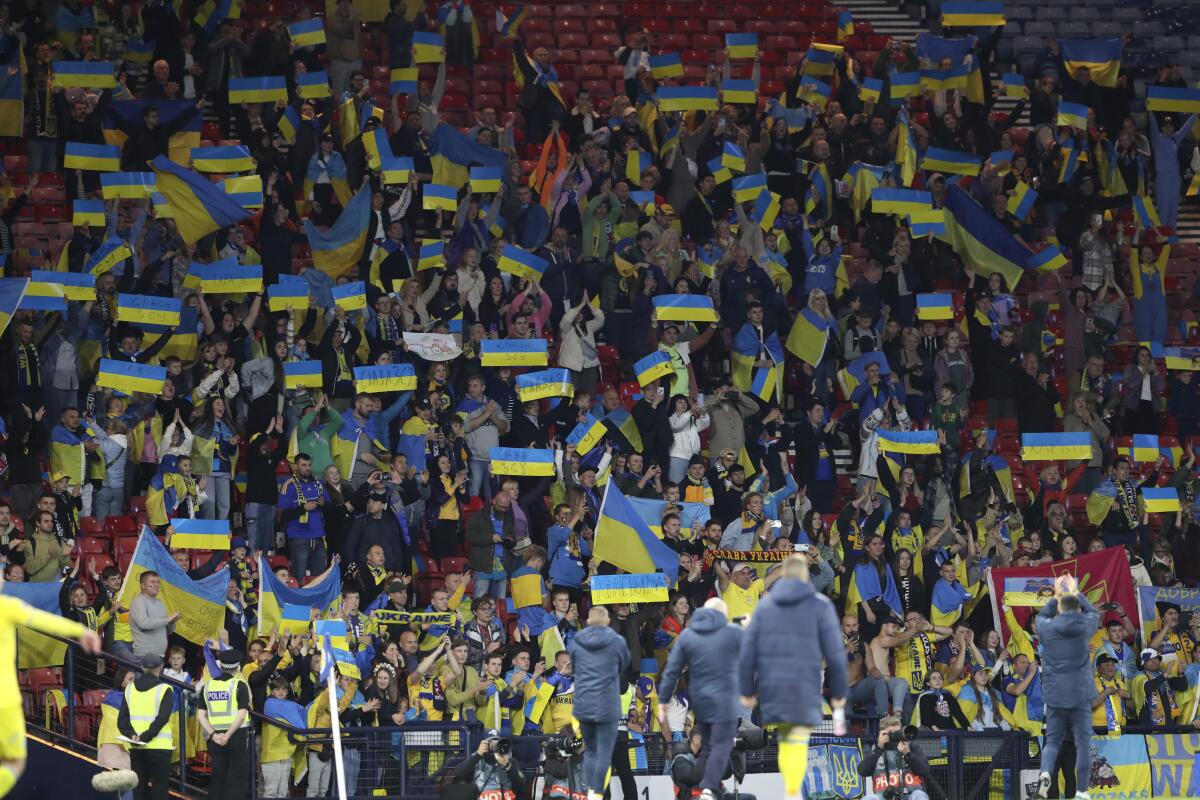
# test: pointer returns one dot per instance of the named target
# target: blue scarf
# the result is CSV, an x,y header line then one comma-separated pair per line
x,y
867,580
949,596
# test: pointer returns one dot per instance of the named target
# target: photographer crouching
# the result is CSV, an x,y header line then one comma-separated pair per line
x,y
893,769
492,771
564,766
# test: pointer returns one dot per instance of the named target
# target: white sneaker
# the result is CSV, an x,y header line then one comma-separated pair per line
x,y
1082,796
708,794
1043,787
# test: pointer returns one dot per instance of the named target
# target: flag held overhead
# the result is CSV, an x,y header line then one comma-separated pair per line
x,y
200,534
554,382
1056,446
130,377
385,378
302,374
522,461
513,353
684,308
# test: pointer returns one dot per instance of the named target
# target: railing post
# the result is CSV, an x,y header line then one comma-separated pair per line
x,y
183,712
70,694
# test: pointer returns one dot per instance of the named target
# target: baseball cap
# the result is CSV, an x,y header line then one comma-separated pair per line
x,y
236,542
1113,619
743,567
397,586
1149,653
424,405
151,661
1105,658
58,476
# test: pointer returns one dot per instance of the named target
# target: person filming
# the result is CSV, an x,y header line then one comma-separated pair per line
x,y
492,771
893,769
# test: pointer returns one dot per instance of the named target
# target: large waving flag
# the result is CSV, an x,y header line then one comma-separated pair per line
x,y
1102,57
202,602
181,116
336,251
275,597
980,240
624,540
199,206
453,153
809,336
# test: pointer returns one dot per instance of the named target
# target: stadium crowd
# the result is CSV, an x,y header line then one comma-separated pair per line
x,y
758,307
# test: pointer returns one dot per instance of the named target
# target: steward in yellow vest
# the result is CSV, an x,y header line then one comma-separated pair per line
x,y
144,719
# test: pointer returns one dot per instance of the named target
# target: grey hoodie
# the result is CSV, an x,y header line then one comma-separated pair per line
x,y
599,658
709,648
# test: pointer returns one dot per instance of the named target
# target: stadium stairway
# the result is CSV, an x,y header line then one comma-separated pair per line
x,y
885,17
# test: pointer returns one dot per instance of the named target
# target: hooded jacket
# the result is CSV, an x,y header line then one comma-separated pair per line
x,y
709,648
599,658
792,630
1067,671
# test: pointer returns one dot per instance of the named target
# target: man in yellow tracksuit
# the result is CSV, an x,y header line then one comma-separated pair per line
x,y
145,718
224,716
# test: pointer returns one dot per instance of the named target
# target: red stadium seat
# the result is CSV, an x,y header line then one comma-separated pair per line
x,y
120,524
90,526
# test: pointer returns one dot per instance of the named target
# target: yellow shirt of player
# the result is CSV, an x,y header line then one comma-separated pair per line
x,y
14,612
741,601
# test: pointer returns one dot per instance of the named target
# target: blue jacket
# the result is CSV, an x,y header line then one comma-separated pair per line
x,y
1067,674
599,657
709,648
792,630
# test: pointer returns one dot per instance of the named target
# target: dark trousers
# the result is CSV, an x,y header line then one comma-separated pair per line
x,y
621,768
1079,722
153,768
231,767
717,744
598,741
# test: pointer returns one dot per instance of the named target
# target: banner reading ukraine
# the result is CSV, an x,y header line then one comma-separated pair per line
x,y
274,595
522,461
1149,597
201,603
385,378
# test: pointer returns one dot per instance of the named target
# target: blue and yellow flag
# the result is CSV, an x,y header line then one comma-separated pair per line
x,y
973,14
274,595
139,51
1144,448
80,287
453,153
1014,85
666,65
814,91
938,159
623,539
198,206
1145,213
845,25
84,74
148,309
486,180
739,91
245,190
288,124
1021,201
438,197
112,251
129,377
741,45
267,89
901,202
223,159
11,292
684,308
350,296
1173,99
796,118
1160,501
428,48
181,116
904,84
290,292
385,378
871,90
652,367
513,353
522,461
404,80
36,649
201,603
200,534
913,442
375,143
607,589
1074,115
687,98
94,157
980,239
307,33
228,277
508,26
1101,57
127,185
553,382
1056,446
88,214
522,263
432,255
1049,259
935,307
732,157
313,85
396,170
749,187
927,222
809,336
819,61
855,373
587,434
337,251
44,297
302,374
766,209
1182,358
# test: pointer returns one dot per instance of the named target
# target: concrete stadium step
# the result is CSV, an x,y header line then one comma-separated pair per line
x,y
886,17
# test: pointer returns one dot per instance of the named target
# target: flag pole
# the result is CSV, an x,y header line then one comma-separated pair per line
x,y
338,763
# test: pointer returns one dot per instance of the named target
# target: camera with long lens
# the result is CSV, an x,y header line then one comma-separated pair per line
x,y
894,738
563,746
497,746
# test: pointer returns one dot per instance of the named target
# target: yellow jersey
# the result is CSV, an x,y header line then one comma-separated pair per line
x,y
14,612
1113,705
914,659
741,602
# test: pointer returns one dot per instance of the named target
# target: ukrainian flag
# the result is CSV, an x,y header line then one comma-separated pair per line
x,y
871,90
927,222
1145,448
739,91
809,336
1184,358
80,287
979,238
623,539
945,79
522,462
973,15
733,158
586,435
845,25
904,84
385,378
762,384
432,255
749,187
428,48
296,619
1174,99
855,372
291,292
621,421
452,153
88,213
313,85
1001,160
935,306
555,382
129,377
637,162
439,197
766,209
198,206
507,26
814,91
350,296
307,33
1014,85
225,159
144,309
211,12
112,251
274,595
819,62
937,159
200,534
375,142
797,118
302,374
671,140
900,202
201,603
404,80
1160,500
228,277
1145,212
521,263
486,180
1048,259
1102,57
912,442
270,89
741,45
1020,202
139,51
684,308
1056,446
94,157
11,292
336,251
246,191
288,124
44,297
666,65
1070,162
127,185
687,98
1074,115
84,74
513,353
652,367
397,170
643,200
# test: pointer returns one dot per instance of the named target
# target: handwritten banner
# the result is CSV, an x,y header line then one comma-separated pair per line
x,y
433,346
1188,601
649,588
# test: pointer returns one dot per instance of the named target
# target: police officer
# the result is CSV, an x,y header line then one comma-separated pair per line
x,y
144,718
224,716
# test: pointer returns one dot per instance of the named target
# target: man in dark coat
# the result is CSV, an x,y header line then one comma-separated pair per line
x,y
377,527
794,629
600,659
1065,627
708,647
